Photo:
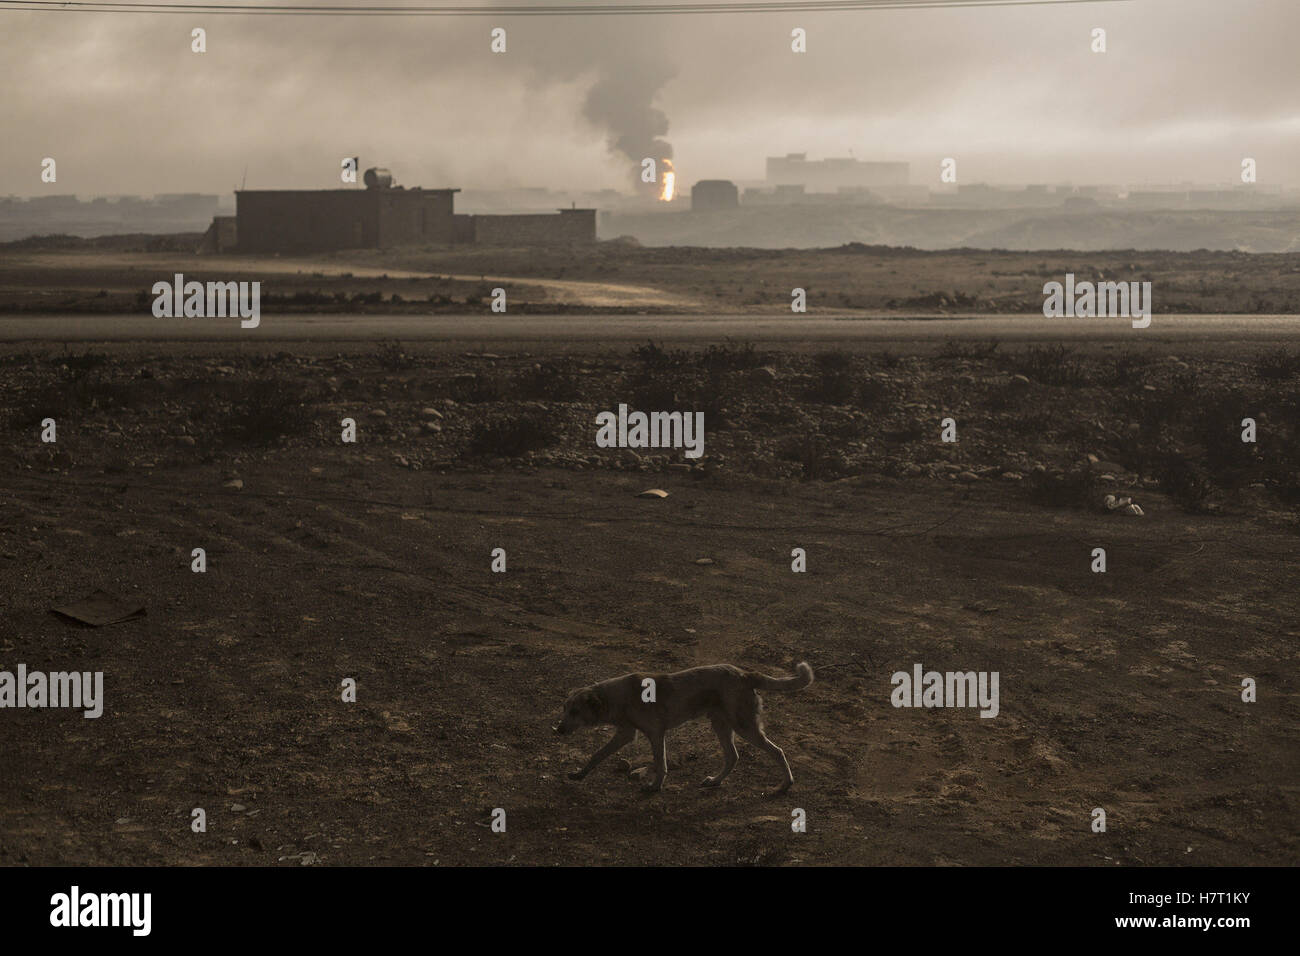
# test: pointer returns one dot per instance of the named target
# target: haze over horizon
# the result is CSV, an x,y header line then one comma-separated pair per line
x,y
1014,94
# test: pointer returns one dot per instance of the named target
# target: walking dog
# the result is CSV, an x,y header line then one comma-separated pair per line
x,y
727,695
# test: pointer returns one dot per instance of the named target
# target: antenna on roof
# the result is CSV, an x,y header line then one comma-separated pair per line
x,y
244,181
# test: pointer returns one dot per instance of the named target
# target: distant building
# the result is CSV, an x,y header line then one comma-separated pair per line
x,y
710,194
185,205
221,236
44,204
309,220
529,229
380,216
828,175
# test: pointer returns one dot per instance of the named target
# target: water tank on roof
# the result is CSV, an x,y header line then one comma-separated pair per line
x,y
378,178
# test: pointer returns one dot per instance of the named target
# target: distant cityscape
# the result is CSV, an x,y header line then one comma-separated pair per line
x,y
791,180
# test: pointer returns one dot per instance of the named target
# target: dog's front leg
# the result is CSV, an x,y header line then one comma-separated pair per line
x,y
658,744
622,737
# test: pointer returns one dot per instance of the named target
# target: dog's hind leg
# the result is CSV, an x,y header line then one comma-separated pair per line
x,y
727,739
754,734
659,745
621,739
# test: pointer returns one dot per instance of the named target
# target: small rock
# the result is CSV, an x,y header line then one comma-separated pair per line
x,y
703,560
235,483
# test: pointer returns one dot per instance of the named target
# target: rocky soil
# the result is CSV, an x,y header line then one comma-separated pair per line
x,y
372,561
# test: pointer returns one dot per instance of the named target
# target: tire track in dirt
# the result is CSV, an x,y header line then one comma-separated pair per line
x,y
589,293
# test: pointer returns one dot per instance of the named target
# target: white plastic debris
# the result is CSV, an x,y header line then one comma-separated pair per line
x,y
653,493
1123,505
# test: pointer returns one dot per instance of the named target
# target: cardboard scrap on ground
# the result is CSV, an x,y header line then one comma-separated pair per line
x,y
100,608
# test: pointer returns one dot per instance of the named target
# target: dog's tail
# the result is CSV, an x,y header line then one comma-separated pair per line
x,y
804,677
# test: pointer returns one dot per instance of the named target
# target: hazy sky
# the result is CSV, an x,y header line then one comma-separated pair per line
x,y
1186,89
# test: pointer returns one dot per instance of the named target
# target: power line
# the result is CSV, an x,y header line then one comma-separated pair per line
x,y
537,10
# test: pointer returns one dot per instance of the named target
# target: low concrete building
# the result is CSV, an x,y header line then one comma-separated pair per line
x,y
308,220
380,216
571,226
710,194
222,236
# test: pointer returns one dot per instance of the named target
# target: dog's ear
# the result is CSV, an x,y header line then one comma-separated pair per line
x,y
591,699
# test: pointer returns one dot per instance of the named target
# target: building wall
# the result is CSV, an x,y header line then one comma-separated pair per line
x,y
307,219
464,226
316,219
416,215
570,226
827,175
714,194
222,235
321,219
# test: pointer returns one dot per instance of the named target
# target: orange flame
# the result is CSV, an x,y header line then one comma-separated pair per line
x,y
670,181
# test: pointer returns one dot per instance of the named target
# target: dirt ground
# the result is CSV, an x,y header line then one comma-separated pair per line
x,y
372,561
116,274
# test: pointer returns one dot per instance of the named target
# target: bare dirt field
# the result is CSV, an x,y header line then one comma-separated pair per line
x,y
372,561
115,275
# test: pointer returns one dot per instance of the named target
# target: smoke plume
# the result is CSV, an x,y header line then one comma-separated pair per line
x,y
621,102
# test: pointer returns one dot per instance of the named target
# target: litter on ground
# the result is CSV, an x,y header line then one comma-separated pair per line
x,y
1124,506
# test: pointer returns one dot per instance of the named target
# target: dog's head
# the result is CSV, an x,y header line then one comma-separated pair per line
x,y
582,709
